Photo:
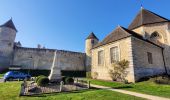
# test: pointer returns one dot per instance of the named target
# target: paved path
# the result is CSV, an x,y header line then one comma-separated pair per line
x,y
146,96
1,80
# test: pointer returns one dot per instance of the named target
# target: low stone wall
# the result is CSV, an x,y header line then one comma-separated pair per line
x,y
125,52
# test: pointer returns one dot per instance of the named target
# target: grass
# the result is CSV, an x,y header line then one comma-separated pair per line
x,y
146,87
2,75
10,91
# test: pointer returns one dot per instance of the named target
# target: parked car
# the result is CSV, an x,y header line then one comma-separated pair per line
x,y
11,75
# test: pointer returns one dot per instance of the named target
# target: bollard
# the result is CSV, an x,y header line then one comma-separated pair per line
x,y
88,84
22,90
77,80
61,85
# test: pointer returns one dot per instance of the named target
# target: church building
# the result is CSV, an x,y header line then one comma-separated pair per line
x,y
145,44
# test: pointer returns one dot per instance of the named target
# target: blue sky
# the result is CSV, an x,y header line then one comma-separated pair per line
x,y
64,24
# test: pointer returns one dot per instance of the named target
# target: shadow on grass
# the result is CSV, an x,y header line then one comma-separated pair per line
x,y
122,87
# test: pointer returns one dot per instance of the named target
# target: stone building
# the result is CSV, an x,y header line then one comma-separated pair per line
x,y
145,44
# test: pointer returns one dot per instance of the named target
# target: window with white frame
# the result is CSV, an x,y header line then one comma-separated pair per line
x,y
114,54
100,57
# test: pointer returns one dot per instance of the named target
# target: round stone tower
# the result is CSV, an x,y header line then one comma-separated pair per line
x,y
91,40
7,38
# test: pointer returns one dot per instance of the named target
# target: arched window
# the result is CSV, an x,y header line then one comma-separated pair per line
x,y
155,35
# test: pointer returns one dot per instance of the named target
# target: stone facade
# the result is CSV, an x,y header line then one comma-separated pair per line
x,y
164,31
88,47
7,37
140,59
33,58
125,52
42,59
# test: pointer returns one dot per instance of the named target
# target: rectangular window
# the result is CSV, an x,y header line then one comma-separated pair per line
x,y
100,57
150,60
114,54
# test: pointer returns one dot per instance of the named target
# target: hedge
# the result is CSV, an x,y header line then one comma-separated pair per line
x,y
42,81
35,73
37,78
73,73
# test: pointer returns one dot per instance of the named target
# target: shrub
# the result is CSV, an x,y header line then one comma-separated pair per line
x,y
118,71
161,80
95,75
69,80
64,79
144,79
39,77
42,81
88,75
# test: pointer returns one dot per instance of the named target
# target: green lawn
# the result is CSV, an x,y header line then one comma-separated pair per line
x,y
1,75
146,87
10,91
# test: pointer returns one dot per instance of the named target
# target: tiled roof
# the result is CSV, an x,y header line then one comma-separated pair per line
x,y
145,17
92,36
120,33
10,24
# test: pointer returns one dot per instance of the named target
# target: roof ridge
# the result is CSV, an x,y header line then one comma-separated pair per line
x,y
9,24
145,17
92,36
124,29
156,14
118,35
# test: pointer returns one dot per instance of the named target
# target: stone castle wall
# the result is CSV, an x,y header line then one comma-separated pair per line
x,y
70,61
142,67
42,59
33,58
125,52
7,37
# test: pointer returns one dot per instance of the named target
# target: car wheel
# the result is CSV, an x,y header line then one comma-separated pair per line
x,y
27,78
5,80
10,78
